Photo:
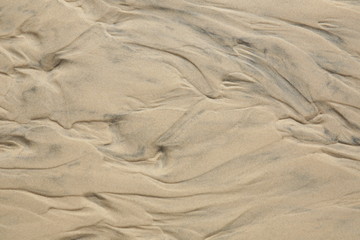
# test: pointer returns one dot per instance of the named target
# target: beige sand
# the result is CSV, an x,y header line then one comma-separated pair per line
x,y
180,119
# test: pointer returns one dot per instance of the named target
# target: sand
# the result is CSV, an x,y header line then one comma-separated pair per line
x,y
179,119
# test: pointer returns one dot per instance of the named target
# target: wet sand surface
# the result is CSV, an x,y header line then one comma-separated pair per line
x,y
179,120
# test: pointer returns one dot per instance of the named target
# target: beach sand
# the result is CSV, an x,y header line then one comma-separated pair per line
x,y
179,119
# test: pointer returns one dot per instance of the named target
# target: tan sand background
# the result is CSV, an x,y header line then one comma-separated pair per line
x,y
179,119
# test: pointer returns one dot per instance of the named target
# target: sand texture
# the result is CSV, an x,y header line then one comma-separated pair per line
x,y
179,119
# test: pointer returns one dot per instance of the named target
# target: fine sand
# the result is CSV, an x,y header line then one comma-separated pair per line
x,y
180,119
